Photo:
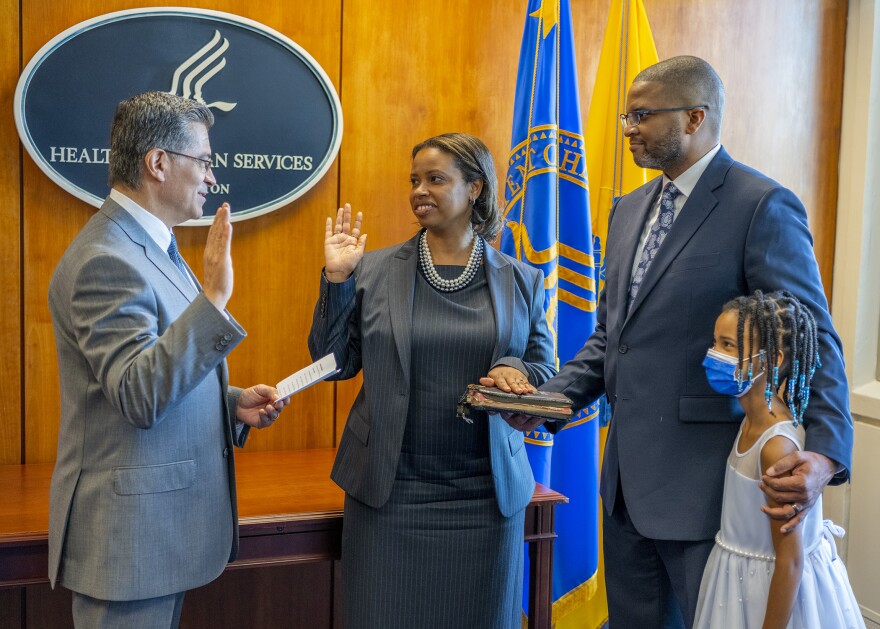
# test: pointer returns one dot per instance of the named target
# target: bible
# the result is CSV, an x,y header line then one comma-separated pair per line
x,y
545,404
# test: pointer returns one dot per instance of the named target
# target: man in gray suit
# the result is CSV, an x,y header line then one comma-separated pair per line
x,y
679,247
143,503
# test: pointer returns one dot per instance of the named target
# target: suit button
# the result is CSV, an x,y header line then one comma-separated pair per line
x,y
623,349
227,337
218,347
225,453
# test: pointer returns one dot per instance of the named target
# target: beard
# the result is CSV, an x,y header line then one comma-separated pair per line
x,y
663,153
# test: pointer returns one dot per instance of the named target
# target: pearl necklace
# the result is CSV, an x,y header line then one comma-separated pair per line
x,y
447,286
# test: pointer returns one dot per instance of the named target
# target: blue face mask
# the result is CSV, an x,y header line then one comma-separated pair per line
x,y
721,371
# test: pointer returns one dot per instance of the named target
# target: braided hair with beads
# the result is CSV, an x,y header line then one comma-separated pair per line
x,y
777,322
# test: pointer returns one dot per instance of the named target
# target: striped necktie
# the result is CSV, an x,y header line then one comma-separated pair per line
x,y
174,254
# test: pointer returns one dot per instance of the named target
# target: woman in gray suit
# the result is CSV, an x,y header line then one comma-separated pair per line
x,y
433,532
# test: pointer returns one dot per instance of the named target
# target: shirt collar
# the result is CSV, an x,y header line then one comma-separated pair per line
x,y
687,181
156,229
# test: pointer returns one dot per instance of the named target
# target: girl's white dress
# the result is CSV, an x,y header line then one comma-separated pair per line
x,y
736,581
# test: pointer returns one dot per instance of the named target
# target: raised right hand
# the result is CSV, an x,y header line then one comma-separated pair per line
x,y
344,245
218,259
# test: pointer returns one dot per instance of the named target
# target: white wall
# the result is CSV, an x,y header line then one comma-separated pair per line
x,y
856,298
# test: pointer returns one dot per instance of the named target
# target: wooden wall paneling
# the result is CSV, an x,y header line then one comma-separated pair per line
x,y
294,597
10,608
424,74
429,72
47,608
278,257
407,72
337,595
782,67
10,241
50,220
297,596
589,20
430,69
826,91
276,264
277,270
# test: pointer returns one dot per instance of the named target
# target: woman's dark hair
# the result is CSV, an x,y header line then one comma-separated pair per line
x,y
475,162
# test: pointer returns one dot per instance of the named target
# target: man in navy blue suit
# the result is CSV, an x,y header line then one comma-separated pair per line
x,y
676,254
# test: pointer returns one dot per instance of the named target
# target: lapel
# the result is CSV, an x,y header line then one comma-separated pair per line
x,y
696,209
116,213
400,283
401,288
499,277
192,276
633,224
138,235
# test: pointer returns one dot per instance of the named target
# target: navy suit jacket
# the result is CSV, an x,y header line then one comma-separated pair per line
x,y
670,433
366,322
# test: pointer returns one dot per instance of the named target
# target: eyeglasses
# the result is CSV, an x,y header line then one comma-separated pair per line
x,y
204,163
633,118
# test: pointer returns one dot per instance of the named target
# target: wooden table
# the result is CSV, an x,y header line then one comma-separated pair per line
x,y
289,512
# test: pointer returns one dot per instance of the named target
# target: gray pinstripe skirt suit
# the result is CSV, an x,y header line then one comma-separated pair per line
x,y
434,506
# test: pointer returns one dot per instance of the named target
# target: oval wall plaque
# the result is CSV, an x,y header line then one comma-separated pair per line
x,y
278,120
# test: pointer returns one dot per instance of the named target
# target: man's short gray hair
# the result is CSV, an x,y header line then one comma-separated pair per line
x,y
147,121
689,81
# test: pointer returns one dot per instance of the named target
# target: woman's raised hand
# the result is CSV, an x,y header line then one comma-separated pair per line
x,y
344,245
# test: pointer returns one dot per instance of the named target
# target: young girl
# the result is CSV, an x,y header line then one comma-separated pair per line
x,y
765,353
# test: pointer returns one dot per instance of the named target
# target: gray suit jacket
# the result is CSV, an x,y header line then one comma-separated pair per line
x,y
143,494
367,323
670,432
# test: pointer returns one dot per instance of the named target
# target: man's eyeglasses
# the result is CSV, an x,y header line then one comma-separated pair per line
x,y
633,118
204,163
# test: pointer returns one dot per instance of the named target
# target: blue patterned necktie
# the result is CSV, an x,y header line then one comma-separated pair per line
x,y
656,236
174,254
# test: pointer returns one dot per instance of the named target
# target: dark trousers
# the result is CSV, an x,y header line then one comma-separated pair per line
x,y
652,584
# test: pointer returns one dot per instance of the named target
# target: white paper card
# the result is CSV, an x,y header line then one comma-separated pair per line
x,y
308,376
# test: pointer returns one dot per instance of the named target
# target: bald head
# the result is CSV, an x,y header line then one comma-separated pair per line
x,y
689,81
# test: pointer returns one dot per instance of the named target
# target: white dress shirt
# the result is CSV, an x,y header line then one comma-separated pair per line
x,y
156,229
685,182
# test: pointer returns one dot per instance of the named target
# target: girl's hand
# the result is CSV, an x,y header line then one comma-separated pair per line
x,y
344,245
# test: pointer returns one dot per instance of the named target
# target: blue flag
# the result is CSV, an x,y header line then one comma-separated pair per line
x,y
547,224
